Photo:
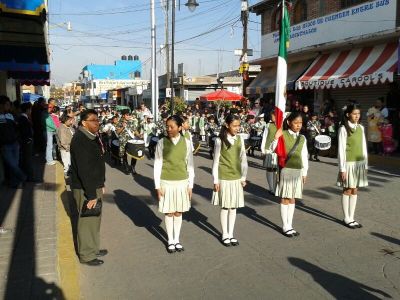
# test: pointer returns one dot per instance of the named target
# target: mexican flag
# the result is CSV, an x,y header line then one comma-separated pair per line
x,y
281,80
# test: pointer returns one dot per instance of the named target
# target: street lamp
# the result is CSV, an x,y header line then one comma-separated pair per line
x,y
192,5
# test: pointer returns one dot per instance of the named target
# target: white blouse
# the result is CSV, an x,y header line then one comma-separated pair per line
x,y
217,154
304,152
264,138
158,161
342,141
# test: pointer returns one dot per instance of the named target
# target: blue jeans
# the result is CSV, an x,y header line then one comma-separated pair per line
x,y
10,155
49,146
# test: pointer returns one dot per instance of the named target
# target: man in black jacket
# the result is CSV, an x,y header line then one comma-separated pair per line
x,y
26,140
87,183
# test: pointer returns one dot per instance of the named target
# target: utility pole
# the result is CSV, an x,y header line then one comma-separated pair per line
x,y
172,57
154,92
166,43
244,17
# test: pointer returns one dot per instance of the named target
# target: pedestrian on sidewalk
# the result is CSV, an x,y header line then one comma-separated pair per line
x,y
173,179
26,140
353,162
293,174
270,160
87,184
51,129
64,134
229,174
9,145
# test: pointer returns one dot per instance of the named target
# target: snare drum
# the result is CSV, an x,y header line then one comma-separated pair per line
x,y
135,148
322,142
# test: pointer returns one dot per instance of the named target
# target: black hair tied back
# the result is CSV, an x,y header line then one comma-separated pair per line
x,y
223,135
290,118
345,120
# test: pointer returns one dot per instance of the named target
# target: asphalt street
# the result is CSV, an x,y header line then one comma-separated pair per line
x,y
327,261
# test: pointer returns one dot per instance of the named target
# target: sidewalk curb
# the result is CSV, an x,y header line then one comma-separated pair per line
x,y
67,265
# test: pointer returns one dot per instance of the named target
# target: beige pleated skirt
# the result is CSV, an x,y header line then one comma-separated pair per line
x,y
230,194
290,184
176,196
356,175
271,160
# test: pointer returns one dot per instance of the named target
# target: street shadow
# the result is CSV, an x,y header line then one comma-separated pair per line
x,y
315,212
316,194
261,194
22,279
201,221
332,190
147,183
71,209
335,164
386,238
338,286
255,165
252,214
378,179
206,169
139,212
203,192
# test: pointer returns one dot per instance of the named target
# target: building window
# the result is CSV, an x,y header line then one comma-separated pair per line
x,y
348,3
300,11
276,17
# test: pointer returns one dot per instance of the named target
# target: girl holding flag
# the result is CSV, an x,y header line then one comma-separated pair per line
x,y
294,169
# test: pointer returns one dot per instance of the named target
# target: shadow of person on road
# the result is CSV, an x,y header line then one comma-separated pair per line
x,y
259,192
70,208
339,286
386,238
140,213
206,169
147,183
301,206
200,220
202,191
252,214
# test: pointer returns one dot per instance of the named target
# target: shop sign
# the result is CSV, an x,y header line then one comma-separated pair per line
x,y
349,24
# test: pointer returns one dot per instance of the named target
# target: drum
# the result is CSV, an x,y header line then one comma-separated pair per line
x,y
322,142
135,148
115,148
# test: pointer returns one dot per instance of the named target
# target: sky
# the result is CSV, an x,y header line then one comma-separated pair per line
x,y
103,31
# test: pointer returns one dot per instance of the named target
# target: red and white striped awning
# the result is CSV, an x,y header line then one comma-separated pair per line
x,y
355,67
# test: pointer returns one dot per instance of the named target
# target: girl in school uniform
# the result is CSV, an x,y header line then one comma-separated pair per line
x,y
186,130
173,178
229,173
270,161
293,175
353,158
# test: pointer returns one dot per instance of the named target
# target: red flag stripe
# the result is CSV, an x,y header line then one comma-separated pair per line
x,y
393,68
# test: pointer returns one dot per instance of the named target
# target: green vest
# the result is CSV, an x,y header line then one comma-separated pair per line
x,y
294,161
271,135
174,160
229,161
354,149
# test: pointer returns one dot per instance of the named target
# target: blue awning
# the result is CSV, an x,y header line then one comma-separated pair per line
x,y
28,97
103,96
26,7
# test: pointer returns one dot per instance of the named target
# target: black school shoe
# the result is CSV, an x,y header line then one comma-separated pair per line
x,y
93,263
102,252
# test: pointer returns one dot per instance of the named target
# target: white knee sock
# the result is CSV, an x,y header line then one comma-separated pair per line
x,y
232,219
290,215
352,207
177,228
271,181
284,216
224,223
345,206
169,225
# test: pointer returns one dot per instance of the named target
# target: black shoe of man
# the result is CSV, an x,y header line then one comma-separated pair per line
x,y
102,252
93,263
